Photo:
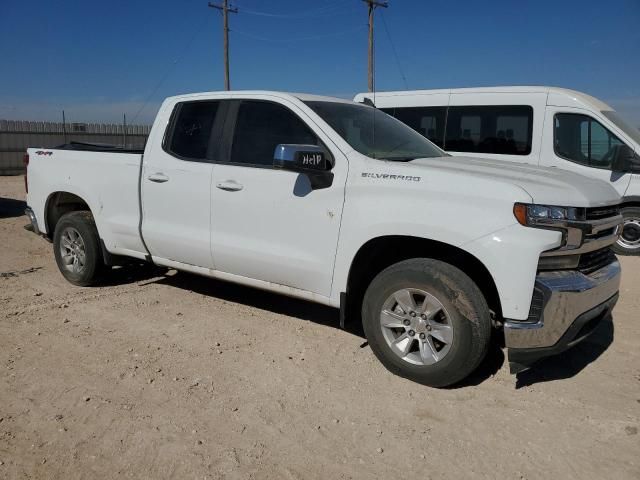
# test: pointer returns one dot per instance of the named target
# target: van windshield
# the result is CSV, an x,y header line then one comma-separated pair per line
x,y
374,133
619,122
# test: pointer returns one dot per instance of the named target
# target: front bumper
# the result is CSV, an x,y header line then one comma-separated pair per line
x,y
566,308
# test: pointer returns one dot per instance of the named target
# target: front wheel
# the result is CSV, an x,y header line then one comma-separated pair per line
x,y
427,321
629,241
76,246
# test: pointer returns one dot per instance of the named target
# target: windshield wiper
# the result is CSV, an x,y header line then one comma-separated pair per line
x,y
398,159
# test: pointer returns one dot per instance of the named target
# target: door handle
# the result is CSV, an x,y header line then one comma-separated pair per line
x,y
158,178
229,186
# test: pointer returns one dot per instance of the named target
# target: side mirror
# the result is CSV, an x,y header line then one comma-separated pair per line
x,y
625,160
307,159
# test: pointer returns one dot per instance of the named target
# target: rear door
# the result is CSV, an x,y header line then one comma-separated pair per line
x,y
268,224
176,184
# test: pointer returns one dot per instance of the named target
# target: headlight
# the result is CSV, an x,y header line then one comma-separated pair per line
x,y
564,219
531,215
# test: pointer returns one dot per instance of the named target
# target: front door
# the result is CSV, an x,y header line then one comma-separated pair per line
x,y
580,143
268,224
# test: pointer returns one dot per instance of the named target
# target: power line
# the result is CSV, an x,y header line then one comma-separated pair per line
x,y
225,9
296,39
170,69
393,49
327,10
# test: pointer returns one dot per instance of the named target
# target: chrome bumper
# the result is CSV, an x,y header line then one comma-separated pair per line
x,y
563,298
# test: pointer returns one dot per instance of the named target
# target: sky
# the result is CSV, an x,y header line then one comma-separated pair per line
x,y
100,60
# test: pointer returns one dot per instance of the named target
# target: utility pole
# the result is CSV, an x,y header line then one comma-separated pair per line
x,y
225,9
372,6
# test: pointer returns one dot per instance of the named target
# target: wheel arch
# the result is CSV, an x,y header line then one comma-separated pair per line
x,y
381,252
58,203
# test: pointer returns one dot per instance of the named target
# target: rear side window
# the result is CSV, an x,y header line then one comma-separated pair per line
x,y
191,129
495,129
583,140
261,127
427,121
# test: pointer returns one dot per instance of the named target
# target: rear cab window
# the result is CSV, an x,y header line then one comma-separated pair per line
x,y
190,128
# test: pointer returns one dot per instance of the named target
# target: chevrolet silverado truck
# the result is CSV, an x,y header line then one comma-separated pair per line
x,y
341,204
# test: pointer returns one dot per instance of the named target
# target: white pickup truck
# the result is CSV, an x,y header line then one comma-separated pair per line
x,y
339,203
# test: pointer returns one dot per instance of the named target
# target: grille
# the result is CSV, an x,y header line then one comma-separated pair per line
x,y
597,213
592,261
537,304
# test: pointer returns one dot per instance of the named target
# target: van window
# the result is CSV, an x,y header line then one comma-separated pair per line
x,y
494,129
428,121
583,140
618,121
191,129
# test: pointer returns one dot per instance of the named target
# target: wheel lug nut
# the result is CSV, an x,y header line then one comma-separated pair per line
x,y
406,323
429,327
411,333
423,316
413,314
422,336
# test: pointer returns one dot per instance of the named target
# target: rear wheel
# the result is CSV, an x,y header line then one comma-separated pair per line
x,y
76,246
629,241
427,321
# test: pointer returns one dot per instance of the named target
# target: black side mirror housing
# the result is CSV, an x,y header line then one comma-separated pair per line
x,y
310,160
625,160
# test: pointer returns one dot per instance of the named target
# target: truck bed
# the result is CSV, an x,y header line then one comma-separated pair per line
x,y
106,177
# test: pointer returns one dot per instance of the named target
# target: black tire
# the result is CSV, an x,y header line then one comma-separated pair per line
x,y
466,310
629,242
82,223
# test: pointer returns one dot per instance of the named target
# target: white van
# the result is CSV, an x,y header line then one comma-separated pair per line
x,y
545,126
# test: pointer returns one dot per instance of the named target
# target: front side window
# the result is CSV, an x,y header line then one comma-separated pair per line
x,y
427,121
261,127
191,127
374,133
583,140
496,129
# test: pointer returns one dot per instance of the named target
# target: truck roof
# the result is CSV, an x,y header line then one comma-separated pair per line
x,y
305,97
555,95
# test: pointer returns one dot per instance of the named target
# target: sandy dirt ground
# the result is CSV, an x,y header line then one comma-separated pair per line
x,y
169,375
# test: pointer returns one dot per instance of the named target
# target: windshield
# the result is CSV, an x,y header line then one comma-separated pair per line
x,y
633,132
374,133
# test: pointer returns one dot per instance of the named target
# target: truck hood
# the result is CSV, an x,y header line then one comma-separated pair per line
x,y
546,185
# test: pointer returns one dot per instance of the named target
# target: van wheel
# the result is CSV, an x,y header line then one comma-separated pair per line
x,y
629,241
76,246
427,321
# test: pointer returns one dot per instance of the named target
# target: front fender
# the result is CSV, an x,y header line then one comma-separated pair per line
x,y
511,256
